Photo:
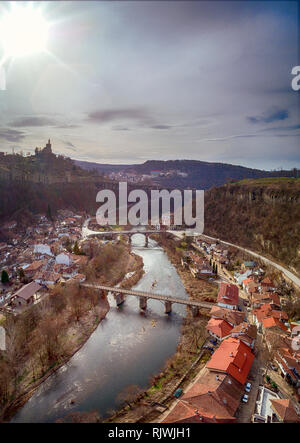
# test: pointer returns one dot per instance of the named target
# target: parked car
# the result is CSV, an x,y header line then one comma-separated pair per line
x,y
214,342
248,387
208,347
178,393
245,398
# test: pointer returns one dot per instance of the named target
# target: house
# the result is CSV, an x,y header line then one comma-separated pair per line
x,y
248,265
228,296
246,282
232,317
46,277
214,398
218,328
250,286
79,260
288,361
35,266
259,299
266,311
240,277
77,278
232,357
267,283
64,258
26,295
284,411
273,322
245,332
42,249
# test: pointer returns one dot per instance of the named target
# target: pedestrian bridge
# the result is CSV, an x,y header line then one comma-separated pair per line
x,y
144,296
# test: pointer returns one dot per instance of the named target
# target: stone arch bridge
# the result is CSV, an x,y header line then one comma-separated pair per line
x,y
143,296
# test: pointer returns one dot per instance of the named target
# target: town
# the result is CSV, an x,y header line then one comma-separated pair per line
x,y
252,344
253,373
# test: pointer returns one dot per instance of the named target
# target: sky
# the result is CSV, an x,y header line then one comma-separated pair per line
x,y
126,82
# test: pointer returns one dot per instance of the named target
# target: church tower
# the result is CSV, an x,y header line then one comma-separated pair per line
x,y
48,148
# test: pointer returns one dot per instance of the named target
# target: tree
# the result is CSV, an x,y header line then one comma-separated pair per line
x,y
4,277
76,249
49,214
129,394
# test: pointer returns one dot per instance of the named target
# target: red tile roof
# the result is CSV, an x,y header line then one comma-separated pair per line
x,y
228,294
213,399
247,280
284,408
221,328
271,322
266,310
231,316
245,329
182,413
234,358
267,282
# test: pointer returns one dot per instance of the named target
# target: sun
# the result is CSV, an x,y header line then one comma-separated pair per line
x,y
23,31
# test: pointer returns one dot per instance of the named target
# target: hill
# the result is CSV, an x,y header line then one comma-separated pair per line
x,y
185,173
262,215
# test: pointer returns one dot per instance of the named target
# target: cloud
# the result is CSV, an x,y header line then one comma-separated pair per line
x,y
283,128
120,128
70,146
32,121
270,116
66,126
140,115
161,127
11,135
231,137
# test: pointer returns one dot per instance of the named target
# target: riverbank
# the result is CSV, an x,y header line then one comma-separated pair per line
x,y
76,314
183,366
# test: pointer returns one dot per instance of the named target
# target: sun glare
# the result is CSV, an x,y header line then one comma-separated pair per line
x,y
23,31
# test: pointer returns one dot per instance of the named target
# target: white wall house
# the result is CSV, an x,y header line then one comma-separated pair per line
x,y
42,249
63,259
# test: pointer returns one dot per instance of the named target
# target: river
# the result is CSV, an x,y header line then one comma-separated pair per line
x,y
128,347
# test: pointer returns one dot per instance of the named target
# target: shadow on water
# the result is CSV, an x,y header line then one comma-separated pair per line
x,y
127,347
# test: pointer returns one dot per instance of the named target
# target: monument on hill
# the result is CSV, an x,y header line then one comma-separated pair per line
x,y
47,150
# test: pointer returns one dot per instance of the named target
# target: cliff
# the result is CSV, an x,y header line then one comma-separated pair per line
x,y
262,215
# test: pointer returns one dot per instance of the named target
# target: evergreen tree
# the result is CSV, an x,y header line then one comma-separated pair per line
x,y
4,277
49,214
76,249
21,272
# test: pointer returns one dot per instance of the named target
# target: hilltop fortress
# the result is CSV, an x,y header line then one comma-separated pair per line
x,y
42,167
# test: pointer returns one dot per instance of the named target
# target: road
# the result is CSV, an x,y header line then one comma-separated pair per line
x,y
286,272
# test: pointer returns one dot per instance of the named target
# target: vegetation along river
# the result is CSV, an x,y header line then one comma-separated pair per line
x,y
127,348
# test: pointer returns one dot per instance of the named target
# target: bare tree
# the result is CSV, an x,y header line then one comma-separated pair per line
x,y
129,394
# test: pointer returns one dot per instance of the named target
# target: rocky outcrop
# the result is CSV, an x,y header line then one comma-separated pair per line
x,y
263,215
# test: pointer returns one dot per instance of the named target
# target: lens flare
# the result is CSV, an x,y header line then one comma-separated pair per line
x,y
23,31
